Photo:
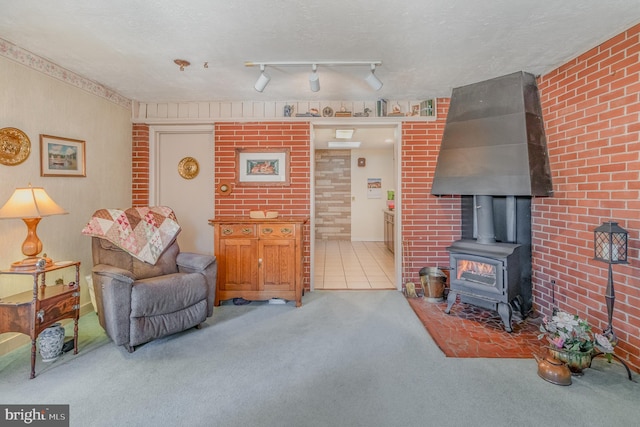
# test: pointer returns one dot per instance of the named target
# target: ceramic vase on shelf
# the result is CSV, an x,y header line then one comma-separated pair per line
x,y
575,360
50,342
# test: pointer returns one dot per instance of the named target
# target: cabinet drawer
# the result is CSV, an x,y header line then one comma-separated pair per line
x,y
59,307
276,231
237,230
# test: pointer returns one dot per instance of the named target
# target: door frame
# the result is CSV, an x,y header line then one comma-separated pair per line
x,y
397,147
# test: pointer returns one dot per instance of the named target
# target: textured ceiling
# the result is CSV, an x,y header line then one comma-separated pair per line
x,y
427,47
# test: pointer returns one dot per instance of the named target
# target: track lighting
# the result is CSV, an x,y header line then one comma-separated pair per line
x,y
314,79
263,80
372,80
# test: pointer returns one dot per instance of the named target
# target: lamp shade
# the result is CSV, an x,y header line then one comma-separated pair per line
x,y
31,202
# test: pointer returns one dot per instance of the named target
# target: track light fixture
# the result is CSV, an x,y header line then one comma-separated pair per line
x,y
263,80
373,80
314,78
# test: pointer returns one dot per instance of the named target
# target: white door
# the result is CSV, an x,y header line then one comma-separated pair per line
x,y
191,199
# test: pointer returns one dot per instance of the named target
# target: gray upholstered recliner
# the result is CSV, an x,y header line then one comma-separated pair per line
x,y
139,302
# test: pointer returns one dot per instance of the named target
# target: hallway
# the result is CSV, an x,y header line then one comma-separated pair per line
x,y
341,264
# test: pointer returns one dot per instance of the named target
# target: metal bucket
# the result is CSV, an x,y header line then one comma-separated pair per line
x,y
434,281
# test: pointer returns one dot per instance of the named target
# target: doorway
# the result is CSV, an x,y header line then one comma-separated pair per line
x,y
349,198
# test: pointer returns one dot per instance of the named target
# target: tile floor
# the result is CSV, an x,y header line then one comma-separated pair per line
x,y
341,264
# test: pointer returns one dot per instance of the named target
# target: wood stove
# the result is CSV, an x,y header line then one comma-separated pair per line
x,y
487,275
488,272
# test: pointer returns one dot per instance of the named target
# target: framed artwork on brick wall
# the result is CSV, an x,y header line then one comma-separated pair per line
x,y
262,167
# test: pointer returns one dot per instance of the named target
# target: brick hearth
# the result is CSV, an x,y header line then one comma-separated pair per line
x,y
471,331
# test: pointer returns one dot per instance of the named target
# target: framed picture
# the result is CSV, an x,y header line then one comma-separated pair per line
x,y
262,166
61,156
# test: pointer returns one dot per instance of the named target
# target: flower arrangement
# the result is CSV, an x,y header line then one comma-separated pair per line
x,y
567,332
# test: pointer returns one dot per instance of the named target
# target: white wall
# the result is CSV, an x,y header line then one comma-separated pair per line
x,y
38,104
367,220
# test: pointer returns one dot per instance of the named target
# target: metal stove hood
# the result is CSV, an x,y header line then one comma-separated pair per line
x,y
494,141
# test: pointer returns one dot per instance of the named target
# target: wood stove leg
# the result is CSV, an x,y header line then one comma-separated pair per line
x,y
505,312
451,299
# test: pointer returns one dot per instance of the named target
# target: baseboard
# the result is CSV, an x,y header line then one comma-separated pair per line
x,y
14,341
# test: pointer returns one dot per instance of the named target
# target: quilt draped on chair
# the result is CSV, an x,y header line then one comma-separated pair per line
x,y
144,232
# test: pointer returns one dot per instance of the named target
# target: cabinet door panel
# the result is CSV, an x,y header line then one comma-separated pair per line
x,y
237,267
277,263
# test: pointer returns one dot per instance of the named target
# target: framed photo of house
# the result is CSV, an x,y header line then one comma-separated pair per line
x,y
262,167
62,156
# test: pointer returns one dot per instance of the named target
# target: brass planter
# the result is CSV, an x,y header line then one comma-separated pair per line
x,y
575,360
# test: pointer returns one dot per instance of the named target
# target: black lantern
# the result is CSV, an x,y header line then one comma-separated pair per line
x,y
610,246
610,243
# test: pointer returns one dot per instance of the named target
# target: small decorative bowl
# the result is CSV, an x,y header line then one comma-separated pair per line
x,y
263,214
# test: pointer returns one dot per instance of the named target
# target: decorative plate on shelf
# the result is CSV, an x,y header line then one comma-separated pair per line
x,y
327,112
188,168
15,146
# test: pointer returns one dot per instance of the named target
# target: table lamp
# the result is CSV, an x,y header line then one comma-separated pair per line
x,y
30,204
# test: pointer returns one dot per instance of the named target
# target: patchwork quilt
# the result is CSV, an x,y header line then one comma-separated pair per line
x,y
144,232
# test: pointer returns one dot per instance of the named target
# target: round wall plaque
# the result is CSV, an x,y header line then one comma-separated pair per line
x,y
14,146
188,168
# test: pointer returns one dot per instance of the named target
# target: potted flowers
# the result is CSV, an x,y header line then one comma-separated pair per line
x,y
572,341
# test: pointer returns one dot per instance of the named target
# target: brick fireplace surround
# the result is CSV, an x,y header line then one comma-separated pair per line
x,y
591,108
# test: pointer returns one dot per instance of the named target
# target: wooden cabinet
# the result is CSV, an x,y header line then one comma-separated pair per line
x,y
259,259
33,311
389,229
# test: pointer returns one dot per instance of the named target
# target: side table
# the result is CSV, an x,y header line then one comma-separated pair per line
x,y
33,311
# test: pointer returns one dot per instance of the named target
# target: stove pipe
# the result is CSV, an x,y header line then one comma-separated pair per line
x,y
484,215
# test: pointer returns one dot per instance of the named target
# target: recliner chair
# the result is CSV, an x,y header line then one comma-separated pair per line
x,y
139,302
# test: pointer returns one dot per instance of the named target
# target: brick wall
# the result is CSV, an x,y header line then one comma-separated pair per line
x,y
429,223
333,194
293,199
591,109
